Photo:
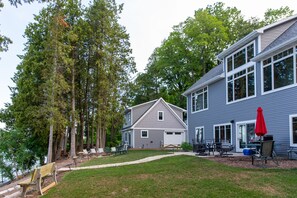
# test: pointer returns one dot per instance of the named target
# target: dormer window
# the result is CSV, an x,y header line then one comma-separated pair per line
x,y
279,71
160,115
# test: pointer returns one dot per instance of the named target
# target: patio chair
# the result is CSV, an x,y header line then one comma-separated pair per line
x,y
83,154
290,151
225,148
266,151
100,151
210,146
93,152
113,150
200,148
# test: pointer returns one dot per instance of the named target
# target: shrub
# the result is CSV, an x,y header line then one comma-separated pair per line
x,y
186,146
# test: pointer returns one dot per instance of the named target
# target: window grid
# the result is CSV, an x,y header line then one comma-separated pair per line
x,y
280,70
200,100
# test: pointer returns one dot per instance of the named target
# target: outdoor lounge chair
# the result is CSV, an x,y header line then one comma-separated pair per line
x,y
93,152
100,151
113,150
266,151
84,153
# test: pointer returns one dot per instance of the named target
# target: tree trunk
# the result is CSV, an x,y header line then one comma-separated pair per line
x,y
98,136
81,143
73,128
50,145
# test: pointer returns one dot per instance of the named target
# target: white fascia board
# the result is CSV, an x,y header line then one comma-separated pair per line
x,y
142,104
208,82
143,115
175,115
177,107
251,36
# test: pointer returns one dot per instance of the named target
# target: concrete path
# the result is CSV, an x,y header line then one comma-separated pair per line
x,y
148,159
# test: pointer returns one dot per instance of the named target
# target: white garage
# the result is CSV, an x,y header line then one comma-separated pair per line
x,y
174,138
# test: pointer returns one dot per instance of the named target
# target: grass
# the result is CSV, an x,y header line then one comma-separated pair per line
x,y
179,176
131,156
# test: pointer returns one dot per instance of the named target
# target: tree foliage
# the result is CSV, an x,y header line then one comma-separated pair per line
x,y
191,48
72,79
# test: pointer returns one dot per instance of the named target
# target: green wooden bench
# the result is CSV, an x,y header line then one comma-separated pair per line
x,y
36,179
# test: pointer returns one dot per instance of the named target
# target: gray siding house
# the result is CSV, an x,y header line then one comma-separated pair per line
x,y
154,124
260,70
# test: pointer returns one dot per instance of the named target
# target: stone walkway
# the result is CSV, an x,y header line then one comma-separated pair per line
x,y
148,159
13,190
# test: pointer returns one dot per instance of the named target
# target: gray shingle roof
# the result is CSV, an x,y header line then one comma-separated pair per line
x,y
288,34
213,75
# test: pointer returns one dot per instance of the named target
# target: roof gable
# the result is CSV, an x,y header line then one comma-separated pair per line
x,y
251,36
150,116
286,38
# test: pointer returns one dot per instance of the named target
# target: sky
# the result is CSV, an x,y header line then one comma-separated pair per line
x,y
148,23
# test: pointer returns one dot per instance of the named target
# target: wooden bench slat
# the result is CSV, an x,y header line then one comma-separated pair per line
x,y
48,187
36,178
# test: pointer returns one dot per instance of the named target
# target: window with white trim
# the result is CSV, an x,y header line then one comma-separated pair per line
x,y
241,84
241,74
240,57
144,134
293,130
160,115
222,133
199,134
199,100
279,70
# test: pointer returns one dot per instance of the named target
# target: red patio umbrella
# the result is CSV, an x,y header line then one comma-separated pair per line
x,y
260,129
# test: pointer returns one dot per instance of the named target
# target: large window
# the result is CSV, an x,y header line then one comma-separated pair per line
x,y
241,84
293,130
241,57
199,100
279,70
222,133
241,74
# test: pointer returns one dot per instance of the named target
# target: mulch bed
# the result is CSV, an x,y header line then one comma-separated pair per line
x,y
246,162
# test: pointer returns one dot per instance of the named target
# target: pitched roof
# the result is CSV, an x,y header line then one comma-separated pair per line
x,y
286,38
251,36
212,76
154,103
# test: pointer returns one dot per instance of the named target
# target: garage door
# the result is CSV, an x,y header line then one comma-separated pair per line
x,y
175,138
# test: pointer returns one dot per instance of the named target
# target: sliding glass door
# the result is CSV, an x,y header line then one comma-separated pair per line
x,y
245,135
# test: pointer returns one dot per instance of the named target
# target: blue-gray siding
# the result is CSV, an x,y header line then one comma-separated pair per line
x,y
277,107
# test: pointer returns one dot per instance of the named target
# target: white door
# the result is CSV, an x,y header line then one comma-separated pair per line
x,y
245,135
175,138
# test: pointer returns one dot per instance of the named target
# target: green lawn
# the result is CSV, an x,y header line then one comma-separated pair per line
x,y
131,156
180,176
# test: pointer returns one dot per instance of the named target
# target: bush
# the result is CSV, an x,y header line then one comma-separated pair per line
x,y
186,146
